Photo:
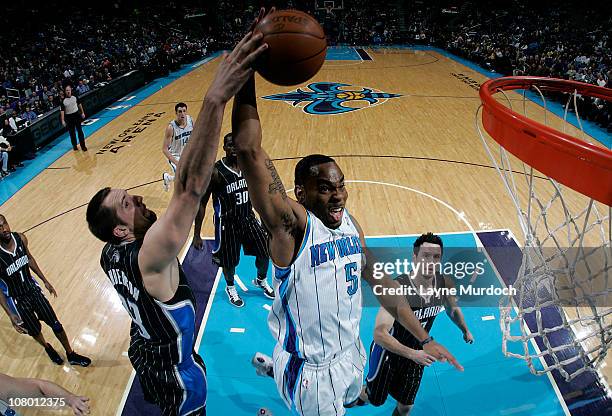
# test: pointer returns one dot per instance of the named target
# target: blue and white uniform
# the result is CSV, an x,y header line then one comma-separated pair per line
x,y
180,138
319,358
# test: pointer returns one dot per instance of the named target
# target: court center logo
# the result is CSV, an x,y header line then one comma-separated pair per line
x,y
326,98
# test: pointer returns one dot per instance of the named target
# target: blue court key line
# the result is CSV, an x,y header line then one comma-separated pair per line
x,y
60,146
342,53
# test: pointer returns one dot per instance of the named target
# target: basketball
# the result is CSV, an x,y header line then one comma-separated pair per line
x,y
297,47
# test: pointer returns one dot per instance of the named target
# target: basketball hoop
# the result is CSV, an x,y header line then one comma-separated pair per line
x,y
561,188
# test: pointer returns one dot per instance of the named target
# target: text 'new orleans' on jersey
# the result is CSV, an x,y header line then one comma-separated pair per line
x,y
317,310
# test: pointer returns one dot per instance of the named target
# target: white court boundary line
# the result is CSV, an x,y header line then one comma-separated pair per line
x,y
460,215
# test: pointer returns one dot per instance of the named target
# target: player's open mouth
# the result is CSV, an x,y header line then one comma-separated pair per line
x,y
336,213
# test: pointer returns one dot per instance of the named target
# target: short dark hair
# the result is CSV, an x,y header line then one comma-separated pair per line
x,y
102,219
226,138
179,105
430,238
304,168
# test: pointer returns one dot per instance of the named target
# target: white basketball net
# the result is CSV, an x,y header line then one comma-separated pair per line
x,y
566,266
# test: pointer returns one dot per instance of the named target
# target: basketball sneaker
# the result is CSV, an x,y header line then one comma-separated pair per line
x,y
263,365
53,355
167,179
263,285
233,296
264,412
76,359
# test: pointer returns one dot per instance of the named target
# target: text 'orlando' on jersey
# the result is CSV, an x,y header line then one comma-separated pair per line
x,y
425,309
15,276
317,311
230,193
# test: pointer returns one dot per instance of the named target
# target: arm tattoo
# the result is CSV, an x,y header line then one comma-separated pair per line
x,y
276,185
288,221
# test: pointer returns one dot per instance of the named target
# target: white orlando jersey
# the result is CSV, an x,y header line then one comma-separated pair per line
x,y
317,309
180,137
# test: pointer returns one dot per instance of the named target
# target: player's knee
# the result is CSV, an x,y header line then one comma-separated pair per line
x,y
376,401
404,409
57,327
34,332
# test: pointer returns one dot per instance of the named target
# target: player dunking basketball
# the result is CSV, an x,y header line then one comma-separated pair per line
x,y
235,224
176,137
24,301
317,250
140,253
397,359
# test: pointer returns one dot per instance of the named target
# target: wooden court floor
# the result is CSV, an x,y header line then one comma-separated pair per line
x,y
424,141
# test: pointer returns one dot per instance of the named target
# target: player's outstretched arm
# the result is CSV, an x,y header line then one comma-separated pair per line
x,y
454,312
398,307
168,235
283,217
384,323
14,388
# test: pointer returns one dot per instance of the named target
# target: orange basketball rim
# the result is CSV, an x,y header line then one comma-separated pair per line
x,y
582,166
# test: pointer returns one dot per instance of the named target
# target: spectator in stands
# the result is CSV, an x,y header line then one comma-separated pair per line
x,y
72,114
5,148
11,123
68,73
28,114
50,102
600,80
82,88
9,136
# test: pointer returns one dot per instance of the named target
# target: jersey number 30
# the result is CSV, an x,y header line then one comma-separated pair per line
x,y
351,278
242,197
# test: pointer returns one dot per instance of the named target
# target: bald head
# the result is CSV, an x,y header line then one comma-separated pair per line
x,y
5,230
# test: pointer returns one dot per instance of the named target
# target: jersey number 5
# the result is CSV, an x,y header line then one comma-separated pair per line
x,y
134,313
351,277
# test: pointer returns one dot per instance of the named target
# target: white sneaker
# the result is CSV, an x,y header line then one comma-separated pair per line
x,y
234,297
264,412
263,285
263,364
167,179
